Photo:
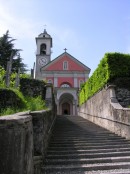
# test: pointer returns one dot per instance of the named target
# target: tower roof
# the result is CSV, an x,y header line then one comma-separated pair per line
x,y
44,34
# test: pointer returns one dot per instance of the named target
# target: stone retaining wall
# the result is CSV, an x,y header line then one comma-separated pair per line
x,y
42,127
104,110
16,145
24,139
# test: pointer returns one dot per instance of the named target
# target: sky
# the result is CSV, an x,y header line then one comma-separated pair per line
x,y
87,28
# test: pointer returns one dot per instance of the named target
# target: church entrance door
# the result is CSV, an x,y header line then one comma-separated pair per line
x,y
66,109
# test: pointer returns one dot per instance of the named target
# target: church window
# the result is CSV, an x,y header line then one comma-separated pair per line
x,y
43,49
65,65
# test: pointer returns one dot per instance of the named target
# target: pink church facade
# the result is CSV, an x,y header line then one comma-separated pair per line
x,y
65,72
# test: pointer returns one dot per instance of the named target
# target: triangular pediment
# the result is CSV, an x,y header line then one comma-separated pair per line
x,y
73,64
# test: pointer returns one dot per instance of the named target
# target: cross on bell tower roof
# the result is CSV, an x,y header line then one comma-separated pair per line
x,y
65,49
45,32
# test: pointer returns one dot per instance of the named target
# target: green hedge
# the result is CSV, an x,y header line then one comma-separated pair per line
x,y
11,98
112,66
32,87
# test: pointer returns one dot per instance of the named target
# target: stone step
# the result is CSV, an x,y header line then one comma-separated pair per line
x,y
88,155
88,151
74,130
80,143
90,147
60,146
114,171
88,138
87,160
84,132
81,139
79,146
83,167
57,137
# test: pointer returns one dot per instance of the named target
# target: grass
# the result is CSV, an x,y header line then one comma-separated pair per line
x,y
10,111
32,104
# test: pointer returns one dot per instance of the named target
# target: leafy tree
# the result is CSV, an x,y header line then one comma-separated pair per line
x,y
17,63
2,76
6,47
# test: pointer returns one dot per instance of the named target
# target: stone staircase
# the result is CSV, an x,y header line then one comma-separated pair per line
x,y
79,146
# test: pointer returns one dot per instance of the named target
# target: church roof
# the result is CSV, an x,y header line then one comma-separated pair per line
x,y
55,64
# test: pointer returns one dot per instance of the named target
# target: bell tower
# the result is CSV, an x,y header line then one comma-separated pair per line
x,y
43,53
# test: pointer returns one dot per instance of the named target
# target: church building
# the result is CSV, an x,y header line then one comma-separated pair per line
x,y
65,72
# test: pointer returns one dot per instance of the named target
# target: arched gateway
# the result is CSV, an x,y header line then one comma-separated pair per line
x,y
65,72
67,102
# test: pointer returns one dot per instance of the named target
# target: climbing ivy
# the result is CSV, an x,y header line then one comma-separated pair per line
x,y
112,66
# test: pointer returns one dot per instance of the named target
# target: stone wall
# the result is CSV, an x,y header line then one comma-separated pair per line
x,y
16,144
24,139
43,122
104,110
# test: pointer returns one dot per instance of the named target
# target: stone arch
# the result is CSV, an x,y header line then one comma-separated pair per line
x,y
66,104
67,93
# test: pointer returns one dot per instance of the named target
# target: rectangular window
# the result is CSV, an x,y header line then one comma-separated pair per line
x,y
65,65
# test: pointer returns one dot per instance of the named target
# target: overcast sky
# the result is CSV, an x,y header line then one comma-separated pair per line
x,y
87,28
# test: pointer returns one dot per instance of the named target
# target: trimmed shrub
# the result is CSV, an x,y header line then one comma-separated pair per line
x,y
112,66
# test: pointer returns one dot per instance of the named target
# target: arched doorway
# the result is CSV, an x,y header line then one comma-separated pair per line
x,y
66,101
66,109
66,104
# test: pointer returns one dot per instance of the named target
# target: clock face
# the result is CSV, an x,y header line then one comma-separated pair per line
x,y
42,61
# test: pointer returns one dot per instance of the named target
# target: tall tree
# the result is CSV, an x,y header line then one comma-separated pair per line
x,y
6,47
17,63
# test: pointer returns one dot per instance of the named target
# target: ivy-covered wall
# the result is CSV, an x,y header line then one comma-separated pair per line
x,y
112,66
